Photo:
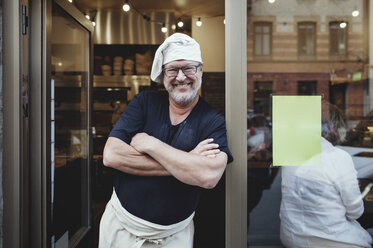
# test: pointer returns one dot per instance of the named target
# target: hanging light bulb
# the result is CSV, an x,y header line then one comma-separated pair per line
x,y
199,22
87,16
164,29
126,7
271,1
173,26
70,1
94,24
343,25
355,12
224,21
180,23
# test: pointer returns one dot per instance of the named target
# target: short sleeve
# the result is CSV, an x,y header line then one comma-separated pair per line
x,y
217,130
131,121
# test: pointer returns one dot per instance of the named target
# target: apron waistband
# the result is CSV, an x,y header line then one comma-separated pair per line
x,y
145,230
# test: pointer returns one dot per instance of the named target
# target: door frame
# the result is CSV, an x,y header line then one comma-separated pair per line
x,y
235,112
11,204
82,233
40,108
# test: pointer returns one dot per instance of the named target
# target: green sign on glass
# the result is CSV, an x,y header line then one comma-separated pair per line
x,y
356,76
296,130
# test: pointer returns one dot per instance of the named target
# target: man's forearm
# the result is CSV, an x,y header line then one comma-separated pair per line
x,y
190,168
123,157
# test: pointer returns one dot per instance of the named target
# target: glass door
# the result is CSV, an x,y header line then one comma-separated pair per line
x,y
70,127
25,129
310,48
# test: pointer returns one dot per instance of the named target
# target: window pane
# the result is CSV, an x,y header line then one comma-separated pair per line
x,y
311,54
306,39
69,122
262,39
258,44
307,87
266,44
338,38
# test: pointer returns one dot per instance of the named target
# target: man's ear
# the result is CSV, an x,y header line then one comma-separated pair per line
x,y
201,69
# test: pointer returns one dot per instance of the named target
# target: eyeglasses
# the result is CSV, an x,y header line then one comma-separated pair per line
x,y
188,70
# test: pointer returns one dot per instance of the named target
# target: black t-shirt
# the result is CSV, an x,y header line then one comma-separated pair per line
x,y
164,199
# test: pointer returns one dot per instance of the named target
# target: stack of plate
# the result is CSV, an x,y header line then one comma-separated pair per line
x,y
117,65
129,67
106,70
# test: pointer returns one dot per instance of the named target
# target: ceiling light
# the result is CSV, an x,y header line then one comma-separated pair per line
x,y
94,24
164,29
180,23
355,13
70,1
271,1
126,7
199,22
87,16
343,25
224,21
173,26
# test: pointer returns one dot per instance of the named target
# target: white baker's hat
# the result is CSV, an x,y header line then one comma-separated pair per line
x,y
176,47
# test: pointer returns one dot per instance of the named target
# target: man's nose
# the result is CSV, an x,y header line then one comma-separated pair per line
x,y
180,75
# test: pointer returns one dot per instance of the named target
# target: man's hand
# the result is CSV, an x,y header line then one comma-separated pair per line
x,y
206,148
142,141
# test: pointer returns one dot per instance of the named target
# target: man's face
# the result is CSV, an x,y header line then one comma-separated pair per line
x,y
182,88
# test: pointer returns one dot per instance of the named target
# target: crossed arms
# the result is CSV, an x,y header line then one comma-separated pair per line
x,y
148,156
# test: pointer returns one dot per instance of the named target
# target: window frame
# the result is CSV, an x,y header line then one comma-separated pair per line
x,y
305,55
262,24
345,31
301,83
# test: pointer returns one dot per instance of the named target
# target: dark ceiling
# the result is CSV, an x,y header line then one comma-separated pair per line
x,y
202,8
183,9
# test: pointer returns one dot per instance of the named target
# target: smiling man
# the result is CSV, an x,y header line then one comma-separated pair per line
x,y
167,147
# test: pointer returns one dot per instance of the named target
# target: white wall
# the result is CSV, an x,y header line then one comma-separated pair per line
x,y
211,38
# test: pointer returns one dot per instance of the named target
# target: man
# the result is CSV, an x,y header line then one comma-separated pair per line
x,y
167,146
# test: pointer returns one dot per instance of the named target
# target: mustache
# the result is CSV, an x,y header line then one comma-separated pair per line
x,y
181,83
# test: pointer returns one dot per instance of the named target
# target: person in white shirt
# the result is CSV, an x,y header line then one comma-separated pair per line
x,y
321,203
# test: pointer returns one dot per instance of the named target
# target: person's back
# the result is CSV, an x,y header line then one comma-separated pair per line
x,y
320,204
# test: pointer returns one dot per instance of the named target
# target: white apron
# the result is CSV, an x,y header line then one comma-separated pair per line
x,y
121,229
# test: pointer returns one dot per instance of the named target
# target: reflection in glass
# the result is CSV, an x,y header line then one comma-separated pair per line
x,y
321,203
338,39
310,54
307,88
306,38
70,68
262,38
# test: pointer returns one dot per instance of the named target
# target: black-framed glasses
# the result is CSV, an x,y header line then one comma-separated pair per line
x,y
188,70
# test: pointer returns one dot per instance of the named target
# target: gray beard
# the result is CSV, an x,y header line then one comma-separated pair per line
x,y
183,100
